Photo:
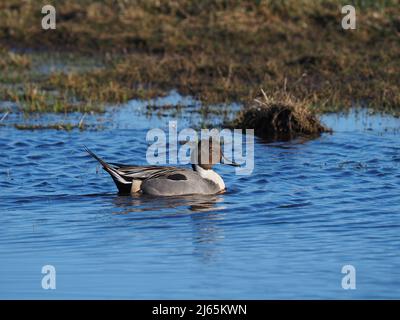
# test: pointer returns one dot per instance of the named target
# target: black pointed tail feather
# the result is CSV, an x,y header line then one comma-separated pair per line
x,y
123,185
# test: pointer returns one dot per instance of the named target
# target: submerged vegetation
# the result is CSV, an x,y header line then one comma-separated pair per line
x,y
217,51
55,126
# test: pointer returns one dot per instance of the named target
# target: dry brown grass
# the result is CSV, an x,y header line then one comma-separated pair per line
x,y
14,60
215,50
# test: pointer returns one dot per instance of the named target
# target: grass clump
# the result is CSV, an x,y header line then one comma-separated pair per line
x,y
280,118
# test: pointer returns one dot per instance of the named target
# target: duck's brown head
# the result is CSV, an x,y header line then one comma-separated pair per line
x,y
209,153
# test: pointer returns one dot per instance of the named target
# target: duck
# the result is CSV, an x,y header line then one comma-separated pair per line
x,y
168,180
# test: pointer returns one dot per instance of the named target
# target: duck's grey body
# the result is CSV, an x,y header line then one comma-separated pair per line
x,y
179,183
163,181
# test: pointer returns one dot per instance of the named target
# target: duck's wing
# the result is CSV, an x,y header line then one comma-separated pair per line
x,y
123,175
141,172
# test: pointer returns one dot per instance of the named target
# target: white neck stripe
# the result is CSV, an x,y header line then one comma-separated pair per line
x,y
211,175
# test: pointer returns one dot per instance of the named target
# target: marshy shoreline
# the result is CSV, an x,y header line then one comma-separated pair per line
x,y
217,52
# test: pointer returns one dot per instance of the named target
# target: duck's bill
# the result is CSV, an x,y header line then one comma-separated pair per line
x,y
229,162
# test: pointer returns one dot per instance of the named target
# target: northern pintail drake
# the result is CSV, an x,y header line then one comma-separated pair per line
x,y
171,181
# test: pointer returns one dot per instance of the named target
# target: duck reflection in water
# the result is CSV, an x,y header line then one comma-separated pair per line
x,y
143,203
203,211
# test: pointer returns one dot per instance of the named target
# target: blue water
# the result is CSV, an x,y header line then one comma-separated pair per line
x,y
284,232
